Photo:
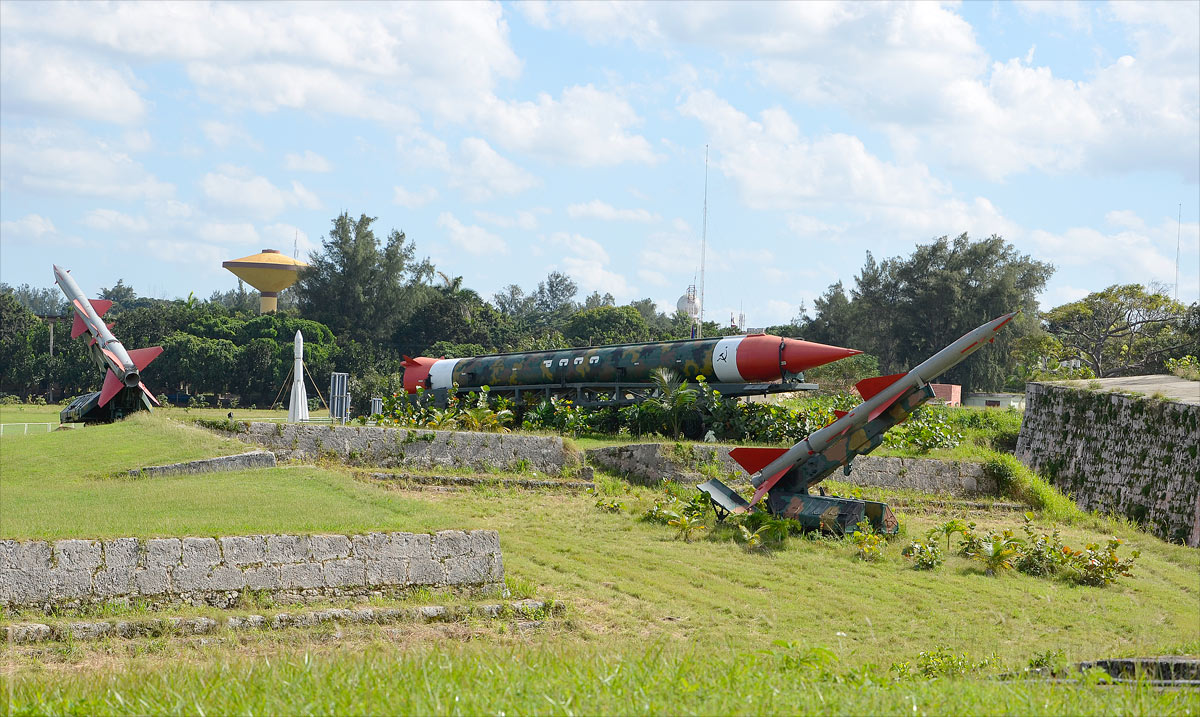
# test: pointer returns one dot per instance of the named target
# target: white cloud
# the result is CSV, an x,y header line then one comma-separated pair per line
x,y
111,220
1135,254
523,219
35,229
239,189
72,164
222,135
471,239
482,174
916,72
587,127
776,167
413,199
189,253
30,226
55,82
373,61
137,140
221,233
586,262
597,209
310,161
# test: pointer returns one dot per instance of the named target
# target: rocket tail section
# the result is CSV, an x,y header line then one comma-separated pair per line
x,y
112,386
144,357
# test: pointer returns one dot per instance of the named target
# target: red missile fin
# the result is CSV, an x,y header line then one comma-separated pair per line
x,y
142,357
147,392
840,414
754,460
869,387
78,328
112,386
101,306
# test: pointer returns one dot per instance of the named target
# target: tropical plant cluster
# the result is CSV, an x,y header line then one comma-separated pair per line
x,y
1037,554
679,410
473,412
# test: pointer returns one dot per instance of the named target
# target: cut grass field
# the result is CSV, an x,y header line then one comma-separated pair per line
x,y
654,624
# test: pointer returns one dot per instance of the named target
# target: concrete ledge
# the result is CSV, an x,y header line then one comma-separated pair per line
x,y
683,463
242,461
413,448
215,571
32,632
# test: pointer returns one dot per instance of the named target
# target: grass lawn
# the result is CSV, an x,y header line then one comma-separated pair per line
x,y
655,624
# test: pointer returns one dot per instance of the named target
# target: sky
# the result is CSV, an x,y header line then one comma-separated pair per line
x,y
149,142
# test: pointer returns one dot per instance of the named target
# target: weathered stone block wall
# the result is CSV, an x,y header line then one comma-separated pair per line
x,y
1116,453
242,461
388,447
654,462
215,570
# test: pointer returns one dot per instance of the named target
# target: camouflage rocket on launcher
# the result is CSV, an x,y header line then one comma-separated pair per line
x,y
729,359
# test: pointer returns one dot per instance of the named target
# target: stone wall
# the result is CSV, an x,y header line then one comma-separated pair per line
x,y
654,462
215,571
1111,452
242,461
411,448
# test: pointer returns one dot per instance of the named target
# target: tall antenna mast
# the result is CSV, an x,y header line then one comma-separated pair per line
x,y
704,244
295,244
1178,229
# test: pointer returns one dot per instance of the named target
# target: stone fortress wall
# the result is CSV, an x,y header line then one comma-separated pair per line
x,y
1111,452
683,463
414,448
215,571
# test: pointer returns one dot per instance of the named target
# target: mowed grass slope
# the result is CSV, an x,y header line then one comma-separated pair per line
x,y
655,624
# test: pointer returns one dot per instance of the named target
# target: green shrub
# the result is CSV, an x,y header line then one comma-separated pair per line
x,y
867,542
996,552
1041,554
925,554
610,505
1098,566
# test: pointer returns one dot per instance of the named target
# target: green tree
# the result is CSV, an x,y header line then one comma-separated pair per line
x,y
906,308
122,295
43,302
606,325
359,287
1123,330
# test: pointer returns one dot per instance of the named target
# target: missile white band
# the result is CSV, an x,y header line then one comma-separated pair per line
x,y
725,360
441,373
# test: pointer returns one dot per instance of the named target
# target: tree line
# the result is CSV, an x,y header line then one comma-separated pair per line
x,y
365,303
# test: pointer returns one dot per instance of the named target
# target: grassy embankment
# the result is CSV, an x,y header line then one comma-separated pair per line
x,y
656,624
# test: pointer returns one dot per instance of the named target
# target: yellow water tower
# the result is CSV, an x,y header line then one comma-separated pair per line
x,y
268,271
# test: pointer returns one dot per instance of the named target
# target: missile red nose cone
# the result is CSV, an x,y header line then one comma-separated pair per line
x,y
802,355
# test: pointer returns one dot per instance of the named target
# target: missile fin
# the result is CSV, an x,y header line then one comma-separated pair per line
x,y
766,486
101,306
754,460
879,410
78,328
868,387
147,392
112,386
839,414
142,357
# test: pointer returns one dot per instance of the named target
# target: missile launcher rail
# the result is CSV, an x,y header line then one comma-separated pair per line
x,y
784,476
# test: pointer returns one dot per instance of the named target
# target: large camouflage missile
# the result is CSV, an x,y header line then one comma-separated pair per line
x,y
887,400
728,360
123,374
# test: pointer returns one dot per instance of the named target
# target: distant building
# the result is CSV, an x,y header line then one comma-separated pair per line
x,y
948,393
995,400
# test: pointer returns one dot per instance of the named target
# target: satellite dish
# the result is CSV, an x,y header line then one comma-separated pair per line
x,y
687,304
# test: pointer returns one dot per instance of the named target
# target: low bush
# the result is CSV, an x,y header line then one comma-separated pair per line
x,y
925,554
